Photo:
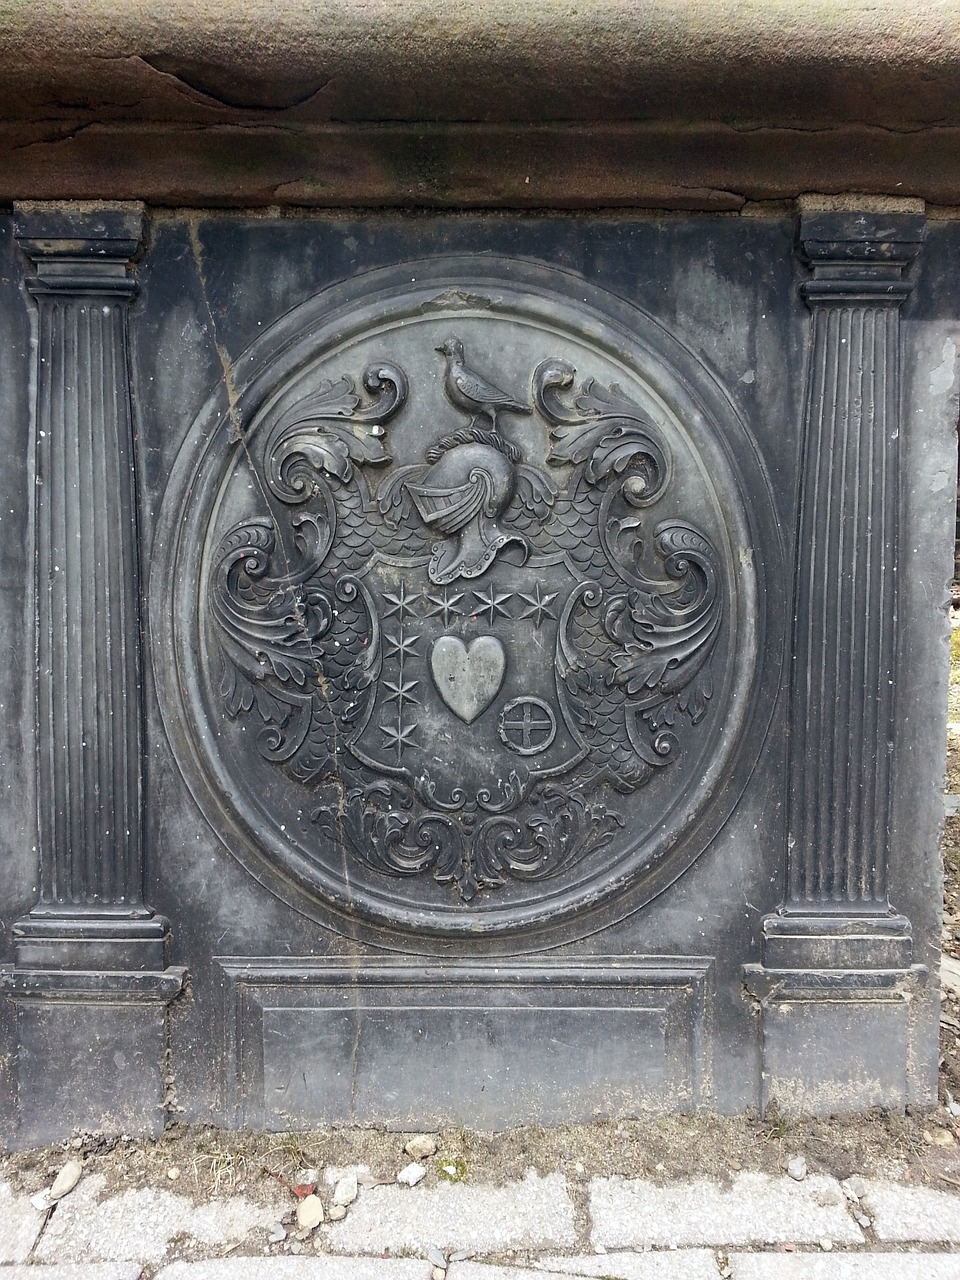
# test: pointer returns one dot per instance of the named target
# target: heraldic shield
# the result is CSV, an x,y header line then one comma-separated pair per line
x,y
469,621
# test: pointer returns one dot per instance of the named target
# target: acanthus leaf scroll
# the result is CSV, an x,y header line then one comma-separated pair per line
x,y
376,612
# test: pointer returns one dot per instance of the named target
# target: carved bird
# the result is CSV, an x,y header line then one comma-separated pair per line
x,y
468,390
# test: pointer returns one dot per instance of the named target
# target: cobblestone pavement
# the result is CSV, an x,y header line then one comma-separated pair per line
x,y
756,1227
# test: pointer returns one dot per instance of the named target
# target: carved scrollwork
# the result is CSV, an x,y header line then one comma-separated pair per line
x,y
331,431
603,432
533,621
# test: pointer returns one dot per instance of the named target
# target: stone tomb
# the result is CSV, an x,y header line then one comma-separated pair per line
x,y
487,670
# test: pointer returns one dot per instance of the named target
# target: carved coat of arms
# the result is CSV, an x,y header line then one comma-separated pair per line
x,y
467,657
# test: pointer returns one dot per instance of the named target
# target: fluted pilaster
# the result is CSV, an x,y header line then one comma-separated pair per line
x,y
836,957
87,597
843,677
91,910
90,978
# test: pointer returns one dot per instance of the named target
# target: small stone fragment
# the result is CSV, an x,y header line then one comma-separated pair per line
x,y
437,1273
461,1255
927,1137
307,1175
345,1191
411,1174
856,1186
826,1244
173,1173
337,1212
41,1201
66,1180
296,1247
309,1213
421,1146
953,1107
943,1138
797,1168
366,1179
863,1220
436,1258
277,1234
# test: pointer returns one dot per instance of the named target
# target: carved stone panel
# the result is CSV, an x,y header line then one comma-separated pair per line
x,y
463,594
616,1035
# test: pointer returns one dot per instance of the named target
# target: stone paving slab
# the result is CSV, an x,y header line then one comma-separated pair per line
x,y
757,1209
20,1225
536,1213
833,1266
682,1264
138,1224
902,1214
672,1264
325,1268
75,1271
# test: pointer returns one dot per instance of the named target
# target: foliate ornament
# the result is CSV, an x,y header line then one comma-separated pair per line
x,y
465,660
468,609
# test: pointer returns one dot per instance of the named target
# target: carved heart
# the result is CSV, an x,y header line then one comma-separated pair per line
x,y
468,679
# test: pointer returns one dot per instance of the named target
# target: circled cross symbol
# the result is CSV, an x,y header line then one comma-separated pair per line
x,y
527,726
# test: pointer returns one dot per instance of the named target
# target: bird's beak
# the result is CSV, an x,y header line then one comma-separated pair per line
x,y
440,351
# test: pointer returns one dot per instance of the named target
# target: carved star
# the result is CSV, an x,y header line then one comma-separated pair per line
x,y
399,735
400,603
400,691
492,604
445,606
403,646
538,606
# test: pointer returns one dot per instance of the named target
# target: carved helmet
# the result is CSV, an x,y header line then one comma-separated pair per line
x,y
468,480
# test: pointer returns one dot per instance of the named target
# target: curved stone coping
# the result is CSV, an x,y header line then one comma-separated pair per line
x,y
678,104
876,62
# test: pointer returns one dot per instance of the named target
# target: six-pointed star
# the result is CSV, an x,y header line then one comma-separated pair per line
x,y
492,602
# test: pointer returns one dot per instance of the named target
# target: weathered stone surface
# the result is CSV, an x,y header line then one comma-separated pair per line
x,y
504,60
864,1266
20,1225
681,1264
297,1269
713,167
76,1271
536,1213
912,1213
329,110
757,1209
138,1225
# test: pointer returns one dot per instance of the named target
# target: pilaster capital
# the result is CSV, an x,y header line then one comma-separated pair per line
x,y
858,250
80,248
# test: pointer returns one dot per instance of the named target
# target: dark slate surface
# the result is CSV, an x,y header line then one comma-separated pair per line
x,y
727,290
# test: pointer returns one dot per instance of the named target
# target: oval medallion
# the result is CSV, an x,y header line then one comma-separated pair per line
x,y
463,592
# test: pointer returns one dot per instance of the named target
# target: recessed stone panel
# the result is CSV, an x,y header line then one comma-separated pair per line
x,y
321,1043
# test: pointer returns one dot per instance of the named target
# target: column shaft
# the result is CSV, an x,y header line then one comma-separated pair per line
x,y
87,606
845,607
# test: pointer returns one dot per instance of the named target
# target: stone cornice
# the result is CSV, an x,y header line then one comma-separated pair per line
x,y
887,63
667,104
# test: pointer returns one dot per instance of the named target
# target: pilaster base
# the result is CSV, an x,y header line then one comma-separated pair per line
x,y
91,990
113,939
834,994
90,1050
